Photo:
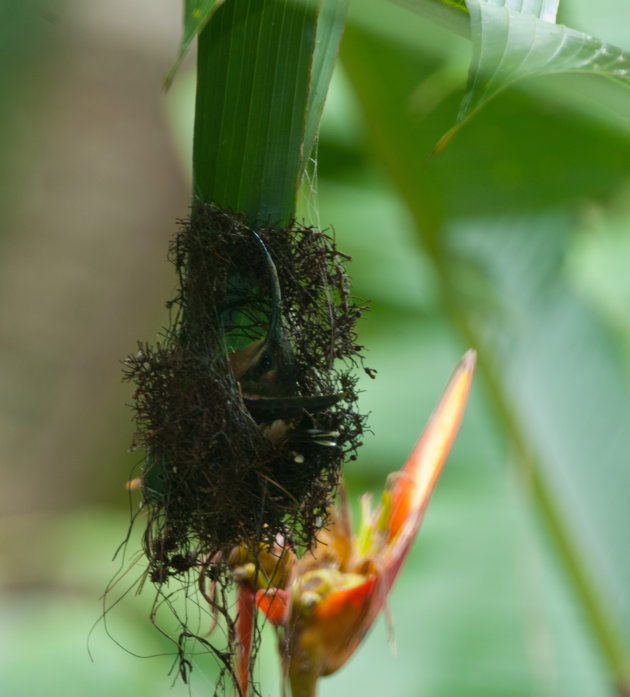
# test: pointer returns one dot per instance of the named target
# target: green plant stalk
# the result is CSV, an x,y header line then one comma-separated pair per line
x,y
253,75
263,70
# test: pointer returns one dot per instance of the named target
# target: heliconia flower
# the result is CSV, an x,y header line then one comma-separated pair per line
x,y
323,604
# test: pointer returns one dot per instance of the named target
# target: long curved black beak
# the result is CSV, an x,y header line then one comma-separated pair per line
x,y
274,333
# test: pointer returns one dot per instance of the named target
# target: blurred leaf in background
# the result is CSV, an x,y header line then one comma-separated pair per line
x,y
514,238
497,214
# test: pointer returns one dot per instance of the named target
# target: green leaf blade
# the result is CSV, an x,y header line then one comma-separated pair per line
x,y
329,30
511,44
254,67
197,14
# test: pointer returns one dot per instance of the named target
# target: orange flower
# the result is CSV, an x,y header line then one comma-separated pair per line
x,y
323,604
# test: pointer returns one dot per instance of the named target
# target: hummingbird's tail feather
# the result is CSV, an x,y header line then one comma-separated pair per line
x,y
317,436
268,409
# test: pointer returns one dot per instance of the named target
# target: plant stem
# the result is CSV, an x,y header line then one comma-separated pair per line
x,y
253,78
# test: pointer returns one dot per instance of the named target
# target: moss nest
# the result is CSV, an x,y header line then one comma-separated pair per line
x,y
246,409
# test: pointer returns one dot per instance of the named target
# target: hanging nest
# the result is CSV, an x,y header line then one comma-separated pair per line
x,y
246,409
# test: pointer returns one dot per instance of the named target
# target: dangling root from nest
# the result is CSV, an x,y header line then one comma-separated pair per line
x,y
247,408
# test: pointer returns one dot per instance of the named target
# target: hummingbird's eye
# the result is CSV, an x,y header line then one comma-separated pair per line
x,y
266,362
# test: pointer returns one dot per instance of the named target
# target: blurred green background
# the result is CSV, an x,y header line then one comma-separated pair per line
x,y
515,238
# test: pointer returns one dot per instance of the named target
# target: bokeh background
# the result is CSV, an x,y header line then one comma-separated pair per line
x,y
531,265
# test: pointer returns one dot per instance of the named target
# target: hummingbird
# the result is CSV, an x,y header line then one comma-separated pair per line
x,y
266,368
266,371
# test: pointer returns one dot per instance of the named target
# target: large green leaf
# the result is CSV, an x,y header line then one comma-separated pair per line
x,y
548,365
523,151
513,40
558,375
517,39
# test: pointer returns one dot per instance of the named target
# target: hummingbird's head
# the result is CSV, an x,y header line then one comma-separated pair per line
x,y
265,368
